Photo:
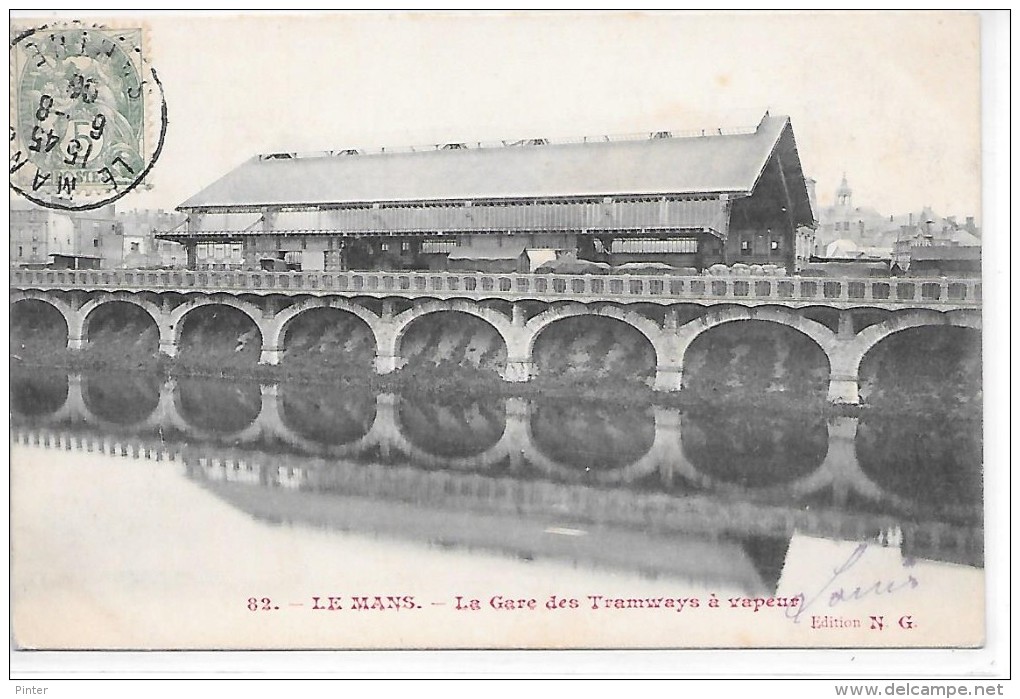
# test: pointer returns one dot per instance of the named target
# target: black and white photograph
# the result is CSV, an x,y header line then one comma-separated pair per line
x,y
501,331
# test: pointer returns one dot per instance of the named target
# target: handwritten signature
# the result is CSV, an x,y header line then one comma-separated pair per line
x,y
839,592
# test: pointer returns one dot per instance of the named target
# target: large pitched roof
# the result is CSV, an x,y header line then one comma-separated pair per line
x,y
675,165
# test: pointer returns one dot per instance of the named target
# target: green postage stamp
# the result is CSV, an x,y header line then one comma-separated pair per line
x,y
87,114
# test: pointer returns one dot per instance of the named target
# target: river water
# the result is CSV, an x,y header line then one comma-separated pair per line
x,y
149,506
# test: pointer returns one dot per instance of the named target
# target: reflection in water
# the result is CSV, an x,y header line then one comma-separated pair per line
x,y
592,436
35,393
218,405
326,414
454,430
726,489
755,448
933,458
768,554
121,398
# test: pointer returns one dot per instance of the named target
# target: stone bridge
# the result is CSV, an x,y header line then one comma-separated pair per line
x,y
671,312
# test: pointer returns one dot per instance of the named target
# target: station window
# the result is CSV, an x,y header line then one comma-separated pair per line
x,y
384,247
95,242
661,245
774,245
437,246
745,246
405,246
19,251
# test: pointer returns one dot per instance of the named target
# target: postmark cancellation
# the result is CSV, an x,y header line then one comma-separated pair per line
x,y
88,116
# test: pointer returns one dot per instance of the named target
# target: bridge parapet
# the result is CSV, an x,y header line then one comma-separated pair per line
x,y
893,292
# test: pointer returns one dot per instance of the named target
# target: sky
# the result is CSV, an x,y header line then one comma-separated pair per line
x,y
892,100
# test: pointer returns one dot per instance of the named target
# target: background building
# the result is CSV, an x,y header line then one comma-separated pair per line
x,y
848,232
100,234
845,229
938,246
38,233
689,201
142,249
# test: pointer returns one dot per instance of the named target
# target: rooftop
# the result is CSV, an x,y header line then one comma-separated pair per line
x,y
659,163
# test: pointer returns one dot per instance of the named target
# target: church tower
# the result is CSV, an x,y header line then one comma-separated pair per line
x,y
844,195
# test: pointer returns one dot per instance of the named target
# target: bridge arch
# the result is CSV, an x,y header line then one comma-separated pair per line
x,y
389,342
175,323
249,309
72,318
276,331
36,295
681,362
649,328
871,336
153,311
689,332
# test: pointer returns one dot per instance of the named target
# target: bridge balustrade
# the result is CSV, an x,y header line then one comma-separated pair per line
x,y
609,287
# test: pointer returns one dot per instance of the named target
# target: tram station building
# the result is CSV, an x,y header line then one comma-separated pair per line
x,y
689,201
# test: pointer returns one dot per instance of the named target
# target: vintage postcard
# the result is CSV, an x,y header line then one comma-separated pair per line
x,y
497,331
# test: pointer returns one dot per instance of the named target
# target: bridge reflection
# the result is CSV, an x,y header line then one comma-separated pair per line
x,y
695,473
